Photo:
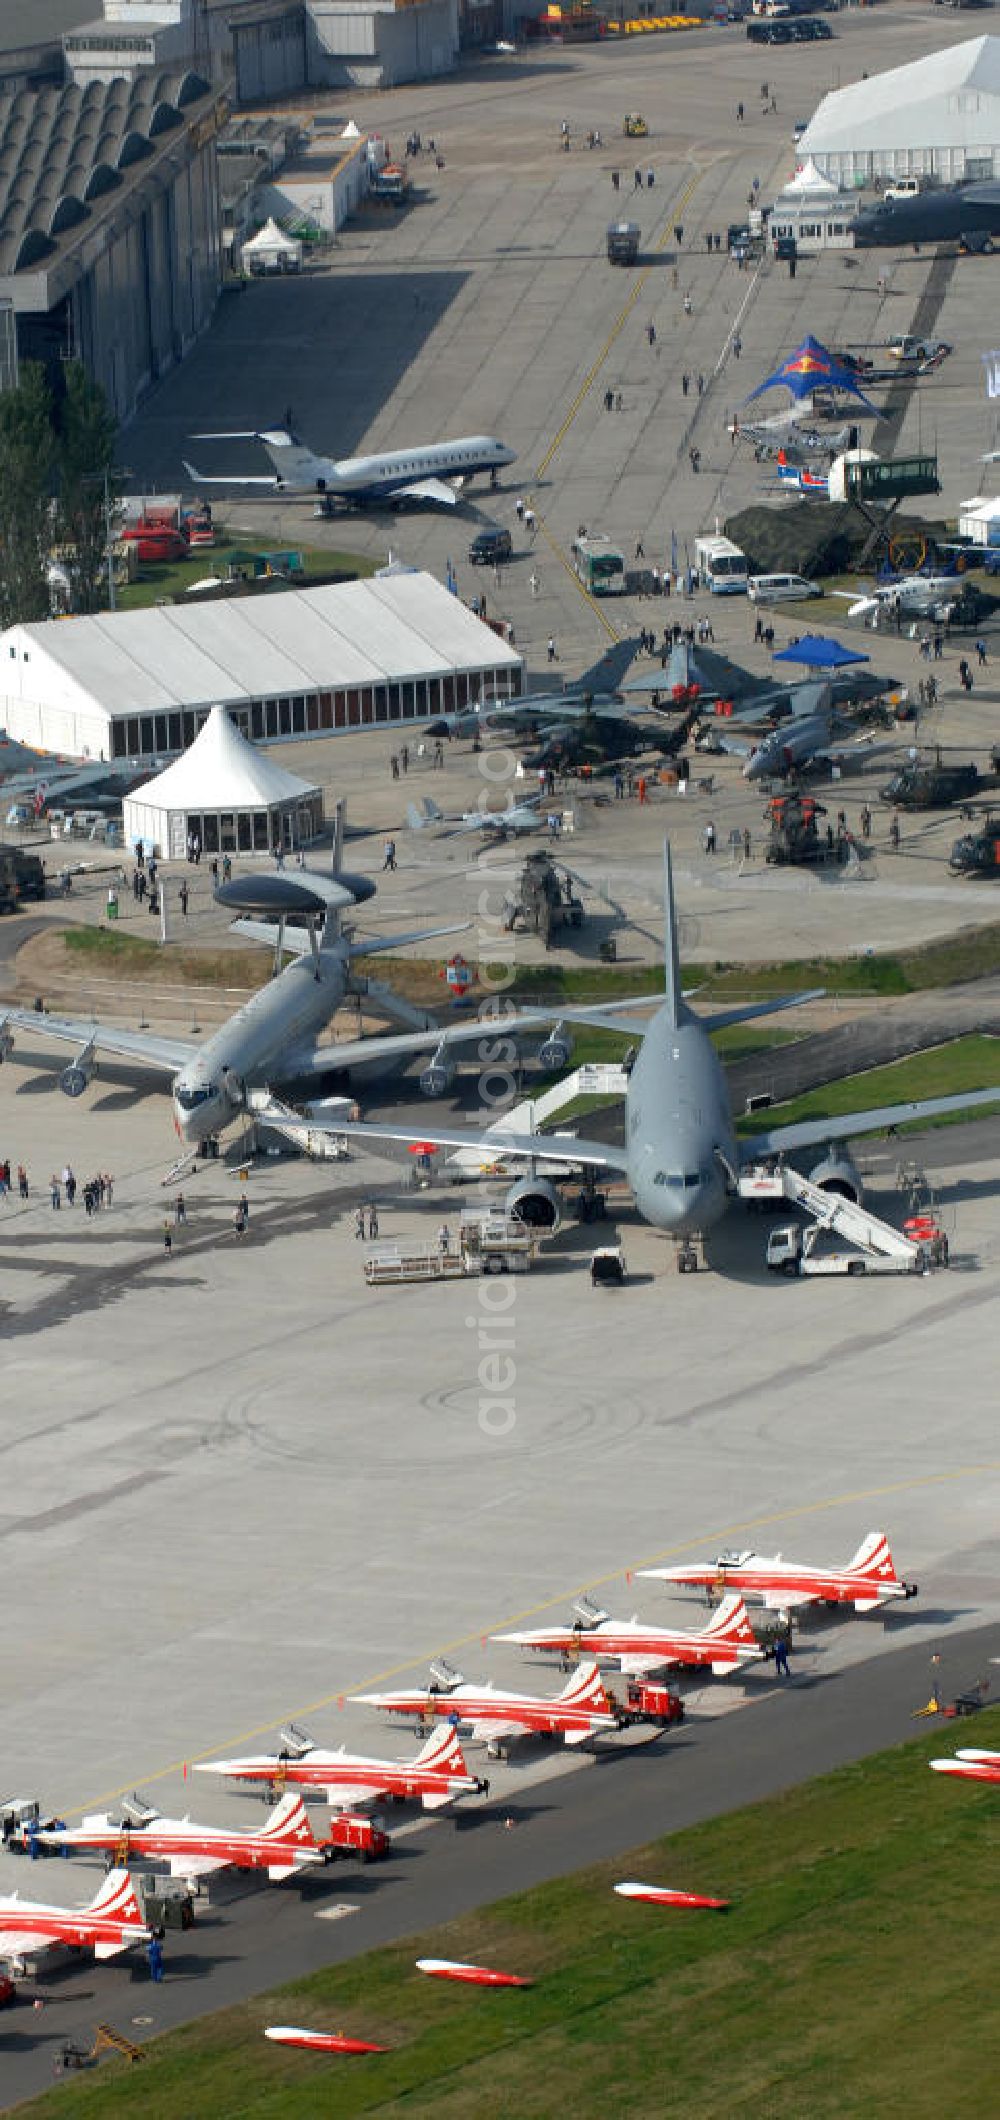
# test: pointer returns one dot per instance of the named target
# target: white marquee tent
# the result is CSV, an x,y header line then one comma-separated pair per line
x,y
227,795
939,116
270,250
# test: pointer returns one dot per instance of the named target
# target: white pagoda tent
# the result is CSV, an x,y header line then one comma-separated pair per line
x,y
226,794
271,250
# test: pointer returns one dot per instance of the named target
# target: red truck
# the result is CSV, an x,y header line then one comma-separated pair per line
x,y
351,1833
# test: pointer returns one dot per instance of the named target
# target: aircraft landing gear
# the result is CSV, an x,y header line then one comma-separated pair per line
x,y
687,1259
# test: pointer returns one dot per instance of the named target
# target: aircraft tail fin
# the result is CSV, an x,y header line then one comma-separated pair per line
x,y
117,1900
731,1623
289,1821
420,815
873,1559
672,979
443,1750
585,1689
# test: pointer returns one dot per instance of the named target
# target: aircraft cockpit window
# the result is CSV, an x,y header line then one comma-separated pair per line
x,y
189,1099
671,1177
691,1179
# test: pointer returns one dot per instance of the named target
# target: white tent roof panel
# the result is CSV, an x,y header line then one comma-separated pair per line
x,y
177,655
222,771
948,99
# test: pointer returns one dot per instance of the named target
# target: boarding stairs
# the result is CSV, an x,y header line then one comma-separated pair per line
x,y
830,1212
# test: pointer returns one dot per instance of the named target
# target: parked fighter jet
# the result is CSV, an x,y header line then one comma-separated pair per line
x,y
496,824
111,1922
282,1846
423,474
970,1765
968,214
680,1154
597,686
436,1775
580,1711
811,742
866,1582
725,1645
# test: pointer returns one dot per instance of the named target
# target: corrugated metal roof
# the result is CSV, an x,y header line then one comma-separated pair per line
x,y
256,647
54,140
949,99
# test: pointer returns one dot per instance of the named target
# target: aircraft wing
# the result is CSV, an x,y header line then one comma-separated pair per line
x,y
352,1052
729,1016
195,1865
295,939
485,1732
606,674
641,1666
808,1132
554,1148
788,1600
427,489
344,1795
18,1943
169,1054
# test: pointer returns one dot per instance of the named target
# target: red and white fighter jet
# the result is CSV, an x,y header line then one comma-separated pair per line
x,y
970,1765
869,1580
726,1643
111,1923
283,1845
437,1774
580,1711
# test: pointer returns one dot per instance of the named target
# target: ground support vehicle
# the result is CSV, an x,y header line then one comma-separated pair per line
x,y
870,1245
483,1244
623,242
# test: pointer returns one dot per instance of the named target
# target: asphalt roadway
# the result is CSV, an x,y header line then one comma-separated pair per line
x,y
605,1806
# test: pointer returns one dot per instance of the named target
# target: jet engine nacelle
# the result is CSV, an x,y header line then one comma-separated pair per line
x,y
439,1074
557,1051
74,1078
837,1173
536,1203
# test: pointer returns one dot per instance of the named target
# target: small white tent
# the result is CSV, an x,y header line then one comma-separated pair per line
x,y
226,795
270,250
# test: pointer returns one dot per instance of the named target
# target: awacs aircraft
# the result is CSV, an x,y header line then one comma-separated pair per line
x,y
867,1582
580,1711
435,1776
968,214
969,1765
274,1037
726,1644
396,475
282,1846
110,1923
680,1155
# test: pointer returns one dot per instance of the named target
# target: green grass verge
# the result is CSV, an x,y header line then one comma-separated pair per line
x,y
856,1973
111,949
964,1064
173,579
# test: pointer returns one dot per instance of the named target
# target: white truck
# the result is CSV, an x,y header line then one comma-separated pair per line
x,y
795,1248
720,566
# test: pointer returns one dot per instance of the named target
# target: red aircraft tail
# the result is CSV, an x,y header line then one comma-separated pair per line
x,y
442,1751
117,1897
585,1690
289,1821
873,1559
731,1623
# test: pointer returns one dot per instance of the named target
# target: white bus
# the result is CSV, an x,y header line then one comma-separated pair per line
x,y
721,566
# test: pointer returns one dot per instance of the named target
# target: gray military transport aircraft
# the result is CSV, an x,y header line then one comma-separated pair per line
x,y
680,1157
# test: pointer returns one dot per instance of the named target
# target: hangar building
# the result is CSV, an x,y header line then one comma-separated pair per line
x,y
110,231
302,662
938,117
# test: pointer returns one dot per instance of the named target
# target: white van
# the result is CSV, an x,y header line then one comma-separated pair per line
x,y
780,588
903,188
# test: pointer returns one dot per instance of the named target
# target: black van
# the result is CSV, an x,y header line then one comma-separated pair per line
x,y
488,547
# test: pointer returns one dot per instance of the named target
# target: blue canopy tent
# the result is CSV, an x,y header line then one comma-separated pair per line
x,y
812,367
818,652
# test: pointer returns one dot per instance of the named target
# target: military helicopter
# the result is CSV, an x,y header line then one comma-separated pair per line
x,y
933,785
